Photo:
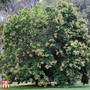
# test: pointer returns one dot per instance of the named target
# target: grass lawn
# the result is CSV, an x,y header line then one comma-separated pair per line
x,y
76,87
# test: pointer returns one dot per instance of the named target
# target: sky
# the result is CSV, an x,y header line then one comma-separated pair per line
x,y
41,0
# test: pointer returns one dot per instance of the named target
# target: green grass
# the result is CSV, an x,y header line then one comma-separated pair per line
x,y
75,87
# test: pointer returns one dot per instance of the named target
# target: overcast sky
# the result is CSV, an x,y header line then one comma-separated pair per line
x,y
41,0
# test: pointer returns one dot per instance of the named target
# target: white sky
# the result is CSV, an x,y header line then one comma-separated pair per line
x,y
1,18
41,0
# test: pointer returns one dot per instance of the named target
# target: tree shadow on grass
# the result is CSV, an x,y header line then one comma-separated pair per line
x,y
79,86
38,87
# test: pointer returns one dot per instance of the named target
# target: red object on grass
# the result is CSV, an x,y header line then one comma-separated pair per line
x,y
5,84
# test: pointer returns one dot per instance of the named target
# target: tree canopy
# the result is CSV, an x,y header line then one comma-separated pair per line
x,y
46,45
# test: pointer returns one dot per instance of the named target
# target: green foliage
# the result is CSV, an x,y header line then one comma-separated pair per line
x,y
45,45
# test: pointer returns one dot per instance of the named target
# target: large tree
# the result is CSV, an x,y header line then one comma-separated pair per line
x,y
45,45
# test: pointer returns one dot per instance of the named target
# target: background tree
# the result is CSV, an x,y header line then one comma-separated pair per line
x,y
45,45
13,6
4,1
